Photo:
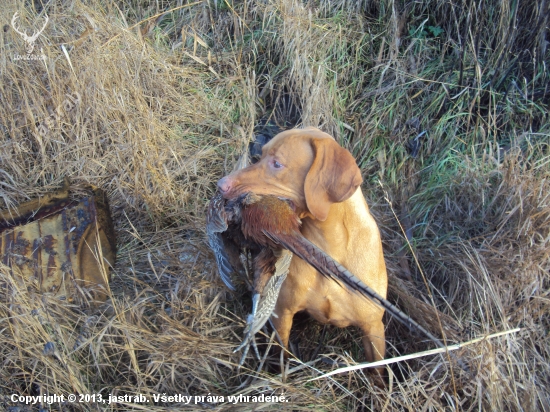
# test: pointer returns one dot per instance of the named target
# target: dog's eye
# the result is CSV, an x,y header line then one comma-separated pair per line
x,y
276,164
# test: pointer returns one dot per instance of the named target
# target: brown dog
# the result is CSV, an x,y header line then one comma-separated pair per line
x,y
322,179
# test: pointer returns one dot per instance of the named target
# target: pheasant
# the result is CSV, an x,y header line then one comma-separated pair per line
x,y
269,227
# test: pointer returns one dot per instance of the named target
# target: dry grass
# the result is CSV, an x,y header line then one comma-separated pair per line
x,y
159,112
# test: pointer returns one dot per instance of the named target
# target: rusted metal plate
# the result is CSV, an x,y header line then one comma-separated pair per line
x,y
61,244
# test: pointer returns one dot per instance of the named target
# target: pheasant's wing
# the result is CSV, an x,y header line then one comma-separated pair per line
x,y
216,224
264,303
216,217
327,266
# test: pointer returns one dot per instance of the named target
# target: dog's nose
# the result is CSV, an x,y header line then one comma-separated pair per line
x,y
224,184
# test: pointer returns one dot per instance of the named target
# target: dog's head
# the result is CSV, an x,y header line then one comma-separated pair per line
x,y
305,166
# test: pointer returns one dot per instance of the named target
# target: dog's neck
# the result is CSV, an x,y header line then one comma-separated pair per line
x,y
342,220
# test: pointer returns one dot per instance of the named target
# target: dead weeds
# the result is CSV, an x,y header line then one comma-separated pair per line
x,y
445,104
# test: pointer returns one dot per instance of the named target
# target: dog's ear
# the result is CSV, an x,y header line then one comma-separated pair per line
x,y
332,178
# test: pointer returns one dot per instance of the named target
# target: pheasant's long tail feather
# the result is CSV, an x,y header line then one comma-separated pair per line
x,y
327,266
263,305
